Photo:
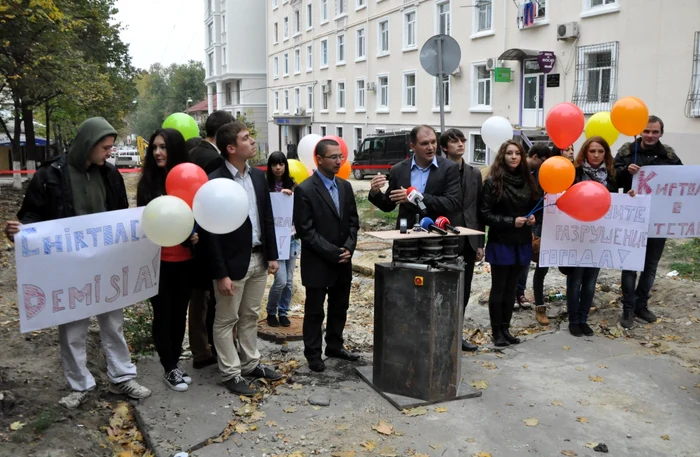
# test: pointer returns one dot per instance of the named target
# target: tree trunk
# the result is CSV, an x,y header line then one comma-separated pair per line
x,y
16,150
30,137
47,150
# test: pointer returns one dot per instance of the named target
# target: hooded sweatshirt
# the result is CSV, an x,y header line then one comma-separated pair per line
x,y
89,192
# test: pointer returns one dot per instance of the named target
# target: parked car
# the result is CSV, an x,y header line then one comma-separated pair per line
x,y
381,151
128,158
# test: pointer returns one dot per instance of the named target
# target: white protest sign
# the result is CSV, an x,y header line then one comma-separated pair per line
x,y
675,191
282,210
617,241
70,269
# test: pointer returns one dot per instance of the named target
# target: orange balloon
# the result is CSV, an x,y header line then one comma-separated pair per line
x,y
556,174
564,124
341,142
586,201
345,170
630,116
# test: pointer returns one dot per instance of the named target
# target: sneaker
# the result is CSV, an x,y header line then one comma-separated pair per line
x,y
184,375
239,386
524,302
586,329
284,321
131,389
627,319
173,379
74,399
272,320
575,329
645,315
516,305
261,371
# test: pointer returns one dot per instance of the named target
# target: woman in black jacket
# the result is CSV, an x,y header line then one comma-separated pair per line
x,y
508,196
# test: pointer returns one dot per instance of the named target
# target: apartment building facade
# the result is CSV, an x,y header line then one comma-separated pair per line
x,y
235,60
351,67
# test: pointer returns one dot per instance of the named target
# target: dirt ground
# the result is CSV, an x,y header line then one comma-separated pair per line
x,y
32,382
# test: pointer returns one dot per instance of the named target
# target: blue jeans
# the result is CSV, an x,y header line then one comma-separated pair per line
x,y
637,299
580,288
280,296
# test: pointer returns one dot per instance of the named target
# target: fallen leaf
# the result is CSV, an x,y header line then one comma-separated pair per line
x,y
271,423
383,428
297,454
604,367
591,445
582,419
398,433
584,402
342,427
343,454
440,410
17,426
665,437
471,440
241,429
482,454
557,403
253,428
569,453
369,445
434,446
421,455
290,409
245,410
531,421
413,412
697,385
489,365
580,369
525,366
257,415
316,408
388,452
682,387
297,386
480,385
596,378
566,348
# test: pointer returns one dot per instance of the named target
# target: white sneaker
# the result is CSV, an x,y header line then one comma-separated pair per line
x,y
173,379
184,375
131,389
74,399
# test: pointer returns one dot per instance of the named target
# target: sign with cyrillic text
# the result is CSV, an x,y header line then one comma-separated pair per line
x,y
282,211
675,197
617,241
73,268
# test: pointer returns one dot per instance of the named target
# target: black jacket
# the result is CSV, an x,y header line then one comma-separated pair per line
x,y
229,254
500,214
323,232
442,196
469,215
207,157
49,195
659,155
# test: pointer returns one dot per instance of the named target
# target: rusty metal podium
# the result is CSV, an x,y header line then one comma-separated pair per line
x,y
418,317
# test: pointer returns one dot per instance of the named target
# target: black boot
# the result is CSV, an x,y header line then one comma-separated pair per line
x,y
469,346
644,314
510,338
627,319
498,338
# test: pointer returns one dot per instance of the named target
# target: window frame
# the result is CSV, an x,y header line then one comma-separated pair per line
x,y
472,145
340,49
323,63
476,16
581,94
383,108
474,105
297,60
405,106
380,51
341,97
360,47
436,96
361,95
406,35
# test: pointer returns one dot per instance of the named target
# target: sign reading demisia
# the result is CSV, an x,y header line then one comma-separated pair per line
x,y
617,241
675,199
70,269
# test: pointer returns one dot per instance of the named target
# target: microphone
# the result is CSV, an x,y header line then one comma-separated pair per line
x,y
428,225
416,198
444,223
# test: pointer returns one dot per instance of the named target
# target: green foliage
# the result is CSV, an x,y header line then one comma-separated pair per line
x,y
44,420
368,211
138,320
685,257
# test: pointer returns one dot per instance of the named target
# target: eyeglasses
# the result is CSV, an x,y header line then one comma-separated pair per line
x,y
334,157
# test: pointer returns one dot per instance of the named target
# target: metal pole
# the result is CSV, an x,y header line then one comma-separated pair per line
x,y
441,89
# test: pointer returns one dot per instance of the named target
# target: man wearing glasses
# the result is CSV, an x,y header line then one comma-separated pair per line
x,y
326,220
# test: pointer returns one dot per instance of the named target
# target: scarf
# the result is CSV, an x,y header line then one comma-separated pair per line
x,y
515,189
599,174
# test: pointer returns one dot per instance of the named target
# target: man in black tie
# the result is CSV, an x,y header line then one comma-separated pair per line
x,y
326,221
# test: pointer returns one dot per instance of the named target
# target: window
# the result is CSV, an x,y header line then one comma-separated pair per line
x,y
481,88
445,91
692,105
383,37
275,3
360,4
285,64
339,7
339,132
361,44
409,91
340,49
483,16
309,57
223,24
276,101
444,24
324,53
540,9
227,91
478,151
210,63
409,30
275,67
596,77
309,16
324,97
383,93
324,130
340,102
297,97
210,34
275,33
309,98
596,7
358,138
324,11
360,95
297,22
285,28
286,101
297,61
223,58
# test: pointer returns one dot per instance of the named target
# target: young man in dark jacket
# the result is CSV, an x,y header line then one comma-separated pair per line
x,y
83,182
647,150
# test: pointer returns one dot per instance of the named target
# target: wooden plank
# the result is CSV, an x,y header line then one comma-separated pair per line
x,y
411,235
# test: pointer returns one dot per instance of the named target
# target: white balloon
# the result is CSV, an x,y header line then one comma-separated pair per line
x,y
220,206
496,131
305,150
167,221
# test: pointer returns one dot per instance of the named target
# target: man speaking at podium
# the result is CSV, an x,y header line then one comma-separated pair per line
x,y
436,178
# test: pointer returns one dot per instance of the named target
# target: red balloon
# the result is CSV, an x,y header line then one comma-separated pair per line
x,y
586,201
184,180
564,124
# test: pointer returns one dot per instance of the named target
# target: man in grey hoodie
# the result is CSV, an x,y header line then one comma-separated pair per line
x,y
83,182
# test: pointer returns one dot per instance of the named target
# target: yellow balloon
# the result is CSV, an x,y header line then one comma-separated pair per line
x,y
297,170
601,125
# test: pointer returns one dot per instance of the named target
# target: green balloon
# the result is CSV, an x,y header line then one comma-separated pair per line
x,y
183,123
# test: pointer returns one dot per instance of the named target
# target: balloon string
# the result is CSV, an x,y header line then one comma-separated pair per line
x,y
540,209
537,206
635,150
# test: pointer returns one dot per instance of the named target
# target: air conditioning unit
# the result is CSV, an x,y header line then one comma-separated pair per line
x,y
491,63
458,72
372,86
567,31
300,112
326,87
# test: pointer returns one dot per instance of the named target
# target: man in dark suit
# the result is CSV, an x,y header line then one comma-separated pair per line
x,y
326,221
202,303
453,142
240,262
434,177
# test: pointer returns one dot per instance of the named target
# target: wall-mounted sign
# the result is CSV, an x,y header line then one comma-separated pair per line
x,y
501,74
546,59
553,80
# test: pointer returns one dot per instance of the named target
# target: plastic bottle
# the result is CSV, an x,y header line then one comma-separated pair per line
x,y
555,297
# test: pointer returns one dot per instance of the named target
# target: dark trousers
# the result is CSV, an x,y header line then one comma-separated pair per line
x,y
201,323
469,261
170,311
537,283
635,299
338,303
504,279
580,288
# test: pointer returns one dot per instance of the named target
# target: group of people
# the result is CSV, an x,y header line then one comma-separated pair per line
x,y
219,280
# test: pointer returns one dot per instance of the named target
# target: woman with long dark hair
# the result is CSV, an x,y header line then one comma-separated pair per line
x,y
280,296
508,196
166,149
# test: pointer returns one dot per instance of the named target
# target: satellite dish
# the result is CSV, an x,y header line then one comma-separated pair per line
x,y
451,55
